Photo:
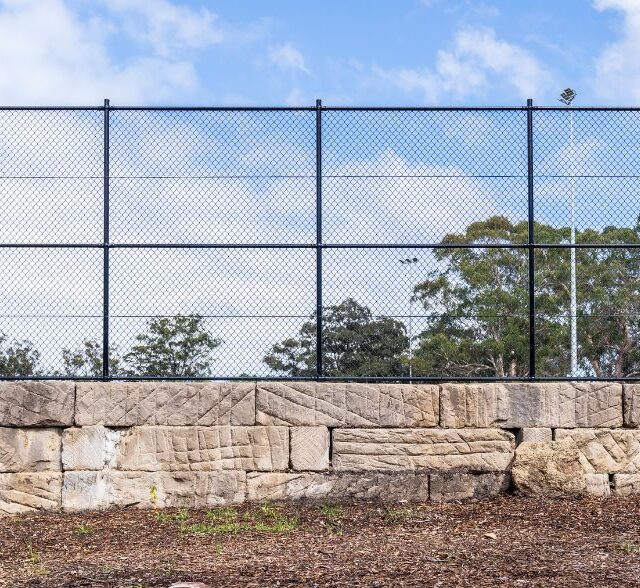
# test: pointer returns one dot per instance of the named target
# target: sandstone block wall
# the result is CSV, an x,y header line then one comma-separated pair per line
x,y
95,445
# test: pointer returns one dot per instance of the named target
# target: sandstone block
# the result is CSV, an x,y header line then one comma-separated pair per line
x,y
550,468
479,450
346,405
626,484
448,486
126,404
100,490
597,485
534,435
309,448
89,448
378,486
631,403
525,404
606,451
29,492
29,450
157,448
36,403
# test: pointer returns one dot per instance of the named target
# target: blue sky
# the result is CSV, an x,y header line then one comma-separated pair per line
x,y
290,52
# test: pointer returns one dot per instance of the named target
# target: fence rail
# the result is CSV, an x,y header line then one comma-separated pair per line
x,y
335,243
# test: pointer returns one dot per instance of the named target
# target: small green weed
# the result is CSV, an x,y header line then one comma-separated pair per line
x,y
33,555
83,529
177,517
225,513
332,511
397,515
280,524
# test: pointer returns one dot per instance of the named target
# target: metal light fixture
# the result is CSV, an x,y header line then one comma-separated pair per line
x,y
411,262
566,97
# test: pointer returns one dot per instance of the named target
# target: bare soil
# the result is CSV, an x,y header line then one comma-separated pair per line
x,y
510,541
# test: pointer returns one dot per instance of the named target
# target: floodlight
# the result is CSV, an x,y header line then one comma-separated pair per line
x,y
567,96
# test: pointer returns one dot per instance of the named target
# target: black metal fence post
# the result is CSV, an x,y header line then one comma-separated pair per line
x,y
105,250
318,239
531,242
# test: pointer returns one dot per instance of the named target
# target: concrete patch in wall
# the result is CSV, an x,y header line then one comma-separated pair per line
x,y
90,448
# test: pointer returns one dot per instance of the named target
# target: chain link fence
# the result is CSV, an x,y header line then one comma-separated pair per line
x,y
388,244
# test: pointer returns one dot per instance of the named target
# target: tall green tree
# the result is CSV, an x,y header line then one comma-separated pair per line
x,y
178,346
86,360
478,303
355,343
17,358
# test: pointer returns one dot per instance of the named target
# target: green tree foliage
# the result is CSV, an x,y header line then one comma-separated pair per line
x,y
179,346
17,358
355,343
478,301
86,361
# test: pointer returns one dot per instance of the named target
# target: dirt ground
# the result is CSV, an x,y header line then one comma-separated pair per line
x,y
510,541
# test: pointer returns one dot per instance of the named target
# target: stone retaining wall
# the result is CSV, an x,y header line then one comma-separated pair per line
x,y
95,445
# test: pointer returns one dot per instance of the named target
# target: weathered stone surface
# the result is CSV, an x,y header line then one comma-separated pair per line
x,y
447,486
384,487
551,468
29,450
597,485
156,448
100,490
28,492
36,403
346,405
309,448
126,404
90,448
626,484
524,404
606,451
631,404
479,450
534,435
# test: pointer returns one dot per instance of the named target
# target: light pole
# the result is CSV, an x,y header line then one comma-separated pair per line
x,y
566,98
410,262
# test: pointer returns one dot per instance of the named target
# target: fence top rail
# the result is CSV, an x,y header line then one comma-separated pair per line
x,y
327,108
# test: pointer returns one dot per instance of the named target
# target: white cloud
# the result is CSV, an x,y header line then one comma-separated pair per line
x,y
168,27
287,57
52,54
617,67
476,59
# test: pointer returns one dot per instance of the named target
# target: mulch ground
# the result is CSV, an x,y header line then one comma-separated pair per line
x,y
510,541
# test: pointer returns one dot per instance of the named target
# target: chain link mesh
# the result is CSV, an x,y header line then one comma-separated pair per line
x,y
220,243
